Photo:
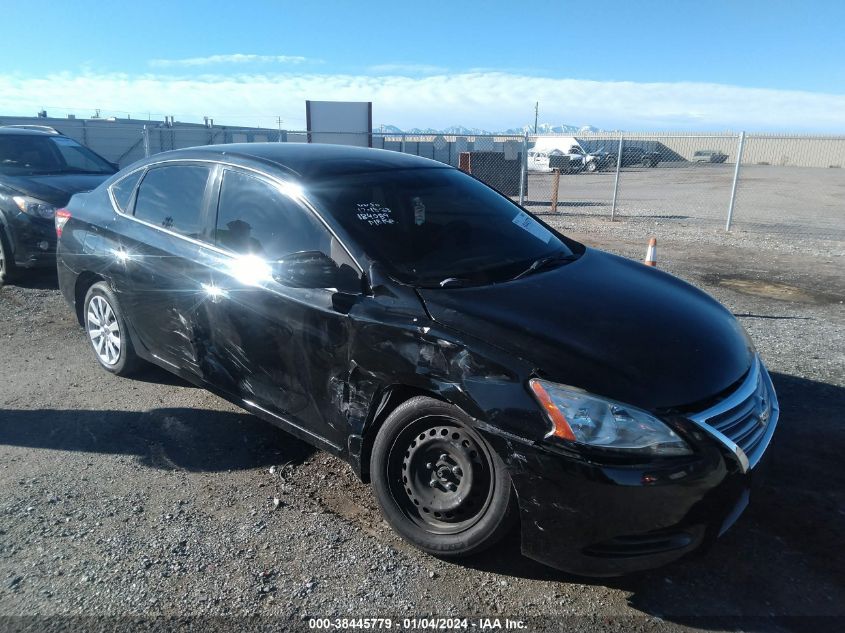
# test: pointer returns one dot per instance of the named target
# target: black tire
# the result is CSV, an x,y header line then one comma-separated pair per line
x,y
473,504
98,319
7,260
592,166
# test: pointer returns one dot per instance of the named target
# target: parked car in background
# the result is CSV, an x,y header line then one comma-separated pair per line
x,y
399,313
39,171
634,156
709,156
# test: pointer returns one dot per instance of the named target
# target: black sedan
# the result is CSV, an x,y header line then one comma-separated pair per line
x,y
479,368
39,172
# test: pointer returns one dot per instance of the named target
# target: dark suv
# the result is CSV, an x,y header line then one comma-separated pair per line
x,y
477,366
39,172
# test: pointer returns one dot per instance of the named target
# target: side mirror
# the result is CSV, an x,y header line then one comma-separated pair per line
x,y
306,269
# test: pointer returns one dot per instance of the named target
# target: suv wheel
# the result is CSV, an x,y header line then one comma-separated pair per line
x,y
438,482
107,331
7,261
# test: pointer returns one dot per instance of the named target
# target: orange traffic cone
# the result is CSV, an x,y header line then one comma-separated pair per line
x,y
651,253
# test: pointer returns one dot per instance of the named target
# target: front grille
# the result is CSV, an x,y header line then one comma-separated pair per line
x,y
746,419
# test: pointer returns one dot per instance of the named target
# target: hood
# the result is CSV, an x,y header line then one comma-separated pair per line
x,y
55,189
609,325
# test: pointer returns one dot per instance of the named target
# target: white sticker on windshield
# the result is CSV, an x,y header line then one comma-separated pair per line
x,y
374,214
526,222
419,211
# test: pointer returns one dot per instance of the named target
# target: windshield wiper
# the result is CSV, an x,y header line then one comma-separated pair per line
x,y
542,262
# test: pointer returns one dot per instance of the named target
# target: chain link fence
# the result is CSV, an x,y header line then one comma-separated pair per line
x,y
792,185
757,183
778,184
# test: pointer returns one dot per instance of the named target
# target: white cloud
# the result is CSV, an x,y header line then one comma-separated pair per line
x,y
490,100
407,69
237,58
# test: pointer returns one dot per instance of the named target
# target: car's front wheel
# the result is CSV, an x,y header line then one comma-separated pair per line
x,y
438,482
7,260
107,332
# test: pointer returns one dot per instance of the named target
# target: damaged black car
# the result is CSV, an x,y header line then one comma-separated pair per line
x,y
479,368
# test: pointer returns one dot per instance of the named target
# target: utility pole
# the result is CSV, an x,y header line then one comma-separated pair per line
x,y
536,113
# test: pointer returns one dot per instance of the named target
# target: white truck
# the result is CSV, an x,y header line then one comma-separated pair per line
x,y
548,146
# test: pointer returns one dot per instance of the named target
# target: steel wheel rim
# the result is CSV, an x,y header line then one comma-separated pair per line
x,y
440,475
103,330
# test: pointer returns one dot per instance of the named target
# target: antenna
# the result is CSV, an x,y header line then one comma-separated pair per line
x,y
536,113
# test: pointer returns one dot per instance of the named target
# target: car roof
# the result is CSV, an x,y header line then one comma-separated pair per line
x,y
21,131
307,161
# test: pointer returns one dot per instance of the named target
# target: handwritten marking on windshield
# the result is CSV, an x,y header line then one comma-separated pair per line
x,y
374,214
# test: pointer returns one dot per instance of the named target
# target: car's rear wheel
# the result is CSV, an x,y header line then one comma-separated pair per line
x,y
107,332
592,166
438,482
7,260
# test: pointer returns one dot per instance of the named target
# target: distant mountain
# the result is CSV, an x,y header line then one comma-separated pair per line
x,y
548,128
460,130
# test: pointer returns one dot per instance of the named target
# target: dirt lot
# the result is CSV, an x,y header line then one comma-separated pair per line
x,y
148,497
783,201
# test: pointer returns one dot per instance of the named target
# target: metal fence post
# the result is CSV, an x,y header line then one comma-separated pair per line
x,y
146,134
616,179
739,149
522,169
555,190
402,144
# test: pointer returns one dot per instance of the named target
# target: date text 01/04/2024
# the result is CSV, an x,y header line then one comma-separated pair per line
x,y
416,624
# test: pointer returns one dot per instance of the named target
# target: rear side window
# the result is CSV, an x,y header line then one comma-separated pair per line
x,y
254,217
172,198
122,190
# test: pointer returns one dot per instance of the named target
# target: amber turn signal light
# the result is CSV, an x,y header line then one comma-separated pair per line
x,y
561,426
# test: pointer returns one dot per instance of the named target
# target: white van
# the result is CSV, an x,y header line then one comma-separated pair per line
x,y
546,146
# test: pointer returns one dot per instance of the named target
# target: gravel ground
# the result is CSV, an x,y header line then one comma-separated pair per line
x,y
779,203
151,498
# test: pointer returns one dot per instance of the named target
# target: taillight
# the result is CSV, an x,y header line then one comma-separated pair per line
x,y
62,216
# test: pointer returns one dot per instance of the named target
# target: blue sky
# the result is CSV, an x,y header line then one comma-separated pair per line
x,y
711,65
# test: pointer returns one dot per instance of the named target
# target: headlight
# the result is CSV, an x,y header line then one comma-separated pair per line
x,y
580,417
34,207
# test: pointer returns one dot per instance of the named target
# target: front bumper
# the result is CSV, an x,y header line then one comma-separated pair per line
x,y
595,519
32,240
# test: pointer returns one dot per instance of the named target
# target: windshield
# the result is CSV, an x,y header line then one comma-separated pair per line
x,y
36,155
431,225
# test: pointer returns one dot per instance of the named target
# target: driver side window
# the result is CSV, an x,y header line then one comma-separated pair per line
x,y
255,218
